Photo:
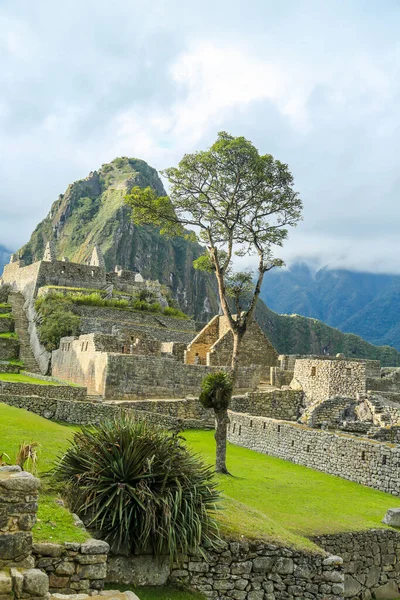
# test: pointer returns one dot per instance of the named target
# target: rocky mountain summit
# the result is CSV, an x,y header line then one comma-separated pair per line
x,y
92,211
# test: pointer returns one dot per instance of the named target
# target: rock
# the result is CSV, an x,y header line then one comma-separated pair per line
x,y
93,571
388,591
14,546
392,517
5,583
332,561
352,587
138,570
95,547
48,549
284,566
263,564
17,582
36,583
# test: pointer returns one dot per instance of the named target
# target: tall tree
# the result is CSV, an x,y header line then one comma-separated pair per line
x,y
239,203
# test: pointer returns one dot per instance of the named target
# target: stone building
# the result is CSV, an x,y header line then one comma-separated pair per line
x,y
213,345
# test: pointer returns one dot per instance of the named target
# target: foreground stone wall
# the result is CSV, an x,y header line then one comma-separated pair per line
x,y
73,568
370,463
240,571
9,348
371,562
276,404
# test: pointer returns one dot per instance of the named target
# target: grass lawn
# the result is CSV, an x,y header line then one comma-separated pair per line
x,y
9,335
6,316
288,502
18,378
55,523
267,497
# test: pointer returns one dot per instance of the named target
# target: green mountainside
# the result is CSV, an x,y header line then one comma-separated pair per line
x,y
92,211
367,304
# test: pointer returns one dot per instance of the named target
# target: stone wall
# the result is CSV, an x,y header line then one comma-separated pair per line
x,y
81,361
280,377
276,404
73,568
371,562
256,349
66,392
322,379
371,463
202,343
9,348
184,416
18,507
6,324
329,413
130,376
241,571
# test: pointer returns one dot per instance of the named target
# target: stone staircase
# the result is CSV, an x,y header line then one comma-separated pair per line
x,y
17,301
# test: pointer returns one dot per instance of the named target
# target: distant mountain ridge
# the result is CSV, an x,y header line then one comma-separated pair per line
x,y
366,304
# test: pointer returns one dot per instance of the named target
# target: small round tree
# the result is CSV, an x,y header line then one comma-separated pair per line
x,y
216,393
139,487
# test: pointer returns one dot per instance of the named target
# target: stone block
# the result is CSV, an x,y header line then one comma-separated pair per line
x,y
58,581
138,570
5,583
65,568
36,583
17,582
92,571
284,566
392,517
48,549
241,568
14,546
95,547
388,591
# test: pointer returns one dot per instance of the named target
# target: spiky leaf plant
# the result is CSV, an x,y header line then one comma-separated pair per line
x,y
216,391
139,487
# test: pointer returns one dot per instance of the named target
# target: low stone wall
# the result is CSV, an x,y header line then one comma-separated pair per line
x,y
280,377
276,404
7,368
67,392
73,568
239,570
330,412
9,348
85,413
6,324
371,562
187,409
371,463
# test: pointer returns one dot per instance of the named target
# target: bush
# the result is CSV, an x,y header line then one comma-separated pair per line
x,y
139,488
146,306
169,311
56,319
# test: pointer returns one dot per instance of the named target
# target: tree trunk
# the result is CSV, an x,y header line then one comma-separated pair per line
x,y
221,428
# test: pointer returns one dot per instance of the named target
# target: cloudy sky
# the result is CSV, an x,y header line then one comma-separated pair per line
x,y
315,83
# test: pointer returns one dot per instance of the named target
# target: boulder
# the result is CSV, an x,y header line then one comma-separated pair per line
x,y
392,517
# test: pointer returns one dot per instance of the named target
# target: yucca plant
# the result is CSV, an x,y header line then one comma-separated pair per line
x,y
216,393
27,457
139,488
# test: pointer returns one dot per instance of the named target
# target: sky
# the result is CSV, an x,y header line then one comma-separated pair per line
x,y
314,83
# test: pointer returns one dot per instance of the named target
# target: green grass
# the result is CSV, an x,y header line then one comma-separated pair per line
x,y
18,378
289,502
6,316
9,335
267,498
159,593
55,523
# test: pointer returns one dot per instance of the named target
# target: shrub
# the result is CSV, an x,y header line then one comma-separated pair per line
x,y
56,319
146,306
139,488
169,311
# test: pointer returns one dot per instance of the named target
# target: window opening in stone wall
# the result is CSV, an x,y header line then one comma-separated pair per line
x,y
292,443
348,372
313,371
279,428
308,448
273,403
384,460
363,455
82,345
92,273
265,425
87,344
234,427
240,429
251,423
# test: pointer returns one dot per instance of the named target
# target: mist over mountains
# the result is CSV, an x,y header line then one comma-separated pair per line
x,y
366,304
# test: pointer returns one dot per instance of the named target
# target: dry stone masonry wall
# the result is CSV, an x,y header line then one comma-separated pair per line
x,y
358,459
276,404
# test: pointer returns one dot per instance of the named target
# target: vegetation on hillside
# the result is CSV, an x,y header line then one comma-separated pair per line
x,y
56,318
139,488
